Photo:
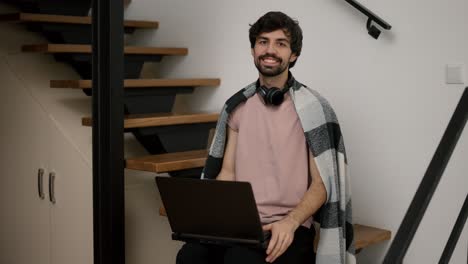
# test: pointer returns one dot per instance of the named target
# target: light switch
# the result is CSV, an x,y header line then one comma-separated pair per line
x,y
455,74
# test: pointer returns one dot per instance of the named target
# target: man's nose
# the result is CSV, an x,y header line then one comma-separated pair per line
x,y
271,48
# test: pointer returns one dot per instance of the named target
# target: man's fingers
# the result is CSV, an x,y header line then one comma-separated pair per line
x,y
276,250
272,243
282,234
282,247
278,245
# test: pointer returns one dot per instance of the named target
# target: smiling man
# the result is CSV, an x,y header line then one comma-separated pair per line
x,y
283,138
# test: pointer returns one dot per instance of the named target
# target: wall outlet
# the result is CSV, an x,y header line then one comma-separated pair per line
x,y
455,74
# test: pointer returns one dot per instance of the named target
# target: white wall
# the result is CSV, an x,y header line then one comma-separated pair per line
x,y
389,94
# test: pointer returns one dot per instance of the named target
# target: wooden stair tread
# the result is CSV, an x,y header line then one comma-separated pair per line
x,y
367,235
162,119
364,236
84,48
169,162
85,20
139,83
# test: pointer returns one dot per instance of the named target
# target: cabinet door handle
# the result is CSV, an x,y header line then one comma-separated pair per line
x,y
52,187
40,185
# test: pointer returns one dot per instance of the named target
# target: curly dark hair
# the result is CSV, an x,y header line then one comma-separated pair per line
x,y
272,21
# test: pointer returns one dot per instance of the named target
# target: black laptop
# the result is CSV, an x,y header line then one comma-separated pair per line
x,y
212,211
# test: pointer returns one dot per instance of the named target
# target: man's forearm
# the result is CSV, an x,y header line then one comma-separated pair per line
x,y
313,199
225,175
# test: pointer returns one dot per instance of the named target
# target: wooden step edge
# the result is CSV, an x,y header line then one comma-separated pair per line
x,y
74,84
84,48
168,162
141,24
364,236
140,83
367,235
162,211
59,19
156,51
153,120
57,48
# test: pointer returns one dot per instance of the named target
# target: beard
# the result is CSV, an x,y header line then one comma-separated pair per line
x,y
270,71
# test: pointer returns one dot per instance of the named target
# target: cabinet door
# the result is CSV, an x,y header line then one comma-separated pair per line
x,y
72,213
24,228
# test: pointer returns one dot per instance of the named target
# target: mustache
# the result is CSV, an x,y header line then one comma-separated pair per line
x,y
267,55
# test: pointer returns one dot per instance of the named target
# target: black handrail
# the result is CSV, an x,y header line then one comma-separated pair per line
x,y
372,30
370,14
429,183
108,131
455,234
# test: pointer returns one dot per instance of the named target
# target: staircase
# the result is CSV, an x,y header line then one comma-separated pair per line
x,y
177,142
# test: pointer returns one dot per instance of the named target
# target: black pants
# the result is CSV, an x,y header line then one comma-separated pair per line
x,y
300,251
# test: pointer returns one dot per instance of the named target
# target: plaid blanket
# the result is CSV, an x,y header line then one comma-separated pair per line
x,y
324,139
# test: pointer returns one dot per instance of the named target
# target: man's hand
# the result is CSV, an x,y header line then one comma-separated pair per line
x,y
282,235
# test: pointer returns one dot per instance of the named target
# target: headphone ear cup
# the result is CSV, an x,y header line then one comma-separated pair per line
x,y
275,97
272,96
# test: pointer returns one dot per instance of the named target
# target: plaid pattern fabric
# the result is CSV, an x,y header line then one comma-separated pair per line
x,y
324,139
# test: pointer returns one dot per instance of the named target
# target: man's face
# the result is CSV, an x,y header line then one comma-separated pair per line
x,y
272,53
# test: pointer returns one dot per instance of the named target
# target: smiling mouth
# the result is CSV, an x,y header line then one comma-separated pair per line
x,y
270,61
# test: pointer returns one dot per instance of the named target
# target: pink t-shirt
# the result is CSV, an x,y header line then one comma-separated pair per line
x,y
271,154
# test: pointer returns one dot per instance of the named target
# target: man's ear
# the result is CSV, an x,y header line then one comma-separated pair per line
x,y
293,58
252,52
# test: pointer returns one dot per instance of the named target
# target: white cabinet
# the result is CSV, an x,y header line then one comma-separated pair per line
x,y
24,145
71,215
35,230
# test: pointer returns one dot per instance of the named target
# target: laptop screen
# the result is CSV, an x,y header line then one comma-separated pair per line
x,y
210,207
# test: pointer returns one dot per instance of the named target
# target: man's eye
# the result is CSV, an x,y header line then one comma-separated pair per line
x,y
281,44
262,42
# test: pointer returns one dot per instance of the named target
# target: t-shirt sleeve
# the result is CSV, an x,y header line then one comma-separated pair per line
x,y
234,118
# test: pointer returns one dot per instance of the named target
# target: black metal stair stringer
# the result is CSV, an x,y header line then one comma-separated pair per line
x,y
81,62
58,33
56,7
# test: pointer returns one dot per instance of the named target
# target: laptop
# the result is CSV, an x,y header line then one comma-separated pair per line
x,y
212,212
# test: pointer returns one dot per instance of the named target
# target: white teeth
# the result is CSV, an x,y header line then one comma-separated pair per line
x,y
269,60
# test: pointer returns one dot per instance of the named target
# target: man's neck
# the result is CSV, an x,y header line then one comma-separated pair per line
x,y
275,81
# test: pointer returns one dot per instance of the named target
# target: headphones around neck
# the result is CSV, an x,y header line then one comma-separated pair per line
x,y
274,95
